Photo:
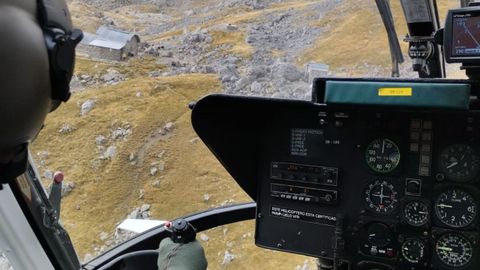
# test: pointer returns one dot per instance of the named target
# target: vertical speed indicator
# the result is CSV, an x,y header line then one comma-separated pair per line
x,y
382,155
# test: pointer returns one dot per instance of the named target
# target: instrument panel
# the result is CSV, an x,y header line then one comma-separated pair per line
x,y
371,189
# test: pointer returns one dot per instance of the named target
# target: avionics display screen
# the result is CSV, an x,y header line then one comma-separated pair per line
x,y
466,34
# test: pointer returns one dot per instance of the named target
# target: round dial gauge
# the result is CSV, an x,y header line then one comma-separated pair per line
x,y
456,208
379,235
381,197
454,250
416,213
459,162
413,250
382,155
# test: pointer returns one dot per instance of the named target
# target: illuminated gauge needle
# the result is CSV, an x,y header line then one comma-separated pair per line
x,y
405,248
445,248
372,235
444,205
452,165
422,213
383,146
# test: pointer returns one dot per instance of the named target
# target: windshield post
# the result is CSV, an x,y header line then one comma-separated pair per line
x,y
395,50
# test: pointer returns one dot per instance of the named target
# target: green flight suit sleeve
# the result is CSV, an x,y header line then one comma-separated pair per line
x,y
173,256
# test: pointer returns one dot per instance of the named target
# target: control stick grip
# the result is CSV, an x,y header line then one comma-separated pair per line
x,y
181,231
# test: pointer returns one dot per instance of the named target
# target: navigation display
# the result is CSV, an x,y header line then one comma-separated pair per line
x,y
466,35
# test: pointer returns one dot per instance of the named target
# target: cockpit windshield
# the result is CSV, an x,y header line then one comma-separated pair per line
x,y
125,141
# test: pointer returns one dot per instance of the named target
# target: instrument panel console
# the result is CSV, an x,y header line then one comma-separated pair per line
x,y
371,188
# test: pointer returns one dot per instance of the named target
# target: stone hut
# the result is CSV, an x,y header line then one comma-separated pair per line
x,y
110,44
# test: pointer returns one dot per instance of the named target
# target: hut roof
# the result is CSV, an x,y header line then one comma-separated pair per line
x,y
107,44
107,33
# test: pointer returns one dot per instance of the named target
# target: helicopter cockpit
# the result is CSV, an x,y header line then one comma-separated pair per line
x,y
370,174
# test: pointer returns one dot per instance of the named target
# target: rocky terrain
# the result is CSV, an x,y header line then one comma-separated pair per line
x,y
124,140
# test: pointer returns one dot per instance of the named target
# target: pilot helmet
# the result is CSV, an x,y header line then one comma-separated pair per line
x,y
37,55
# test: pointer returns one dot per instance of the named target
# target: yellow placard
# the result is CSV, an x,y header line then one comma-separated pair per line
x,y
395,92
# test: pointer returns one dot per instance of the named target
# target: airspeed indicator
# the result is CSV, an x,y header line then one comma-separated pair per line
x,y
382,155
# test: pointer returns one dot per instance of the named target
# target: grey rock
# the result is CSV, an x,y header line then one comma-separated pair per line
x,y
66,128
156,184
206,197
228,73
204,237
113,76
161,166
100,140
146,207
135,214
228,257
110,152
231,27
121,133
76,84
85,77
288,71
48,175
167,54
153,171
67,188
195,37
87,106
43,154
230,60
256,72
256,87
168,126
189,13
208,39
247,235
305,266
160,155
145,215
242,83
154,74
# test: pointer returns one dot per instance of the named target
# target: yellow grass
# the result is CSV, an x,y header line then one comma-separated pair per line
x,y
108,190
358,36
80,12
232,42
164,36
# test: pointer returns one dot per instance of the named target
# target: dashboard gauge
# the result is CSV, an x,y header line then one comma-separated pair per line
x,y
456,208
379,235
416,213
459,162
413,250
381,197
454,250
382,155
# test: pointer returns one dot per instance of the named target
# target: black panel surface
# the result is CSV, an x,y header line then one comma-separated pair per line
x,y
308,166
